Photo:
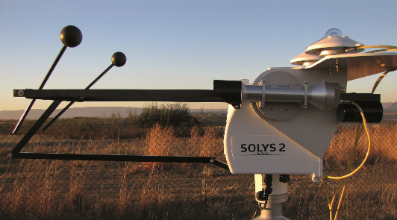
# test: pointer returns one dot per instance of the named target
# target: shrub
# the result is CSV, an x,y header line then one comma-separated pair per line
x,y
175,115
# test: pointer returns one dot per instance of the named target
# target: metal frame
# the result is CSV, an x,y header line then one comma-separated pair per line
x,y
111,95
119,157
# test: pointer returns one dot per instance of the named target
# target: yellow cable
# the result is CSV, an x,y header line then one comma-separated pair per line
x,y
326,194
376,46
369,147
375,51
344,183
378,81
340,201
385,48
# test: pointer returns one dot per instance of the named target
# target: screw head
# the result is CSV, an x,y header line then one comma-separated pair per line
x,y
71,36
119,59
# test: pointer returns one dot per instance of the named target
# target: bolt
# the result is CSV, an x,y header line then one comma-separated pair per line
x,y
21,93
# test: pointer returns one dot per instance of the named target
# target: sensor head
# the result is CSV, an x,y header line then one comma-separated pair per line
x,y
333,43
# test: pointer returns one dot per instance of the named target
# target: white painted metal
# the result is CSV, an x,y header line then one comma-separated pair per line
x,y
311,128
273,211
332,45
358,65
288,116
305,136
305,59
246,127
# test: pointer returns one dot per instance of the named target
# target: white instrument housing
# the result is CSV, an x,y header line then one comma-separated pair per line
x,y
278,142
270,135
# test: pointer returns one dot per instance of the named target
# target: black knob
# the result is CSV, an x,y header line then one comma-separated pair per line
x,y
71,36
119,59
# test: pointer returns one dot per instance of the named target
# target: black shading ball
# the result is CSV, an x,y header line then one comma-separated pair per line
x,y
119,59
71,36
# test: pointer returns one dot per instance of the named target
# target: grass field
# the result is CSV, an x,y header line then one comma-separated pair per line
x,y
45,189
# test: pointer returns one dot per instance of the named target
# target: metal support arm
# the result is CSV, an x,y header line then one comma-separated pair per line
x,y
119,157
120,95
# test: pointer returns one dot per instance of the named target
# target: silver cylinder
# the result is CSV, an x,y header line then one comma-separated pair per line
x,y
322,95
284,94
325,95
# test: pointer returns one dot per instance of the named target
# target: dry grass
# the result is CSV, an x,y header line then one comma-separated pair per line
x,y
44,189
383,145
210,144
160,141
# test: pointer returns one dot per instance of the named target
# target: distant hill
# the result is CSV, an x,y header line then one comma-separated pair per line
x,y
103,112
73,112
390,106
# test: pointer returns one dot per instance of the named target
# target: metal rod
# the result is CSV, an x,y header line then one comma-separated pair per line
x,y
72,102
35,127
100,76
23,116
58,115
119,157
53,67
25,113
121,95
221,164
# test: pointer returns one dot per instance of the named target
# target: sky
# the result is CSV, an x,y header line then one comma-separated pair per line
x,y
176,44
